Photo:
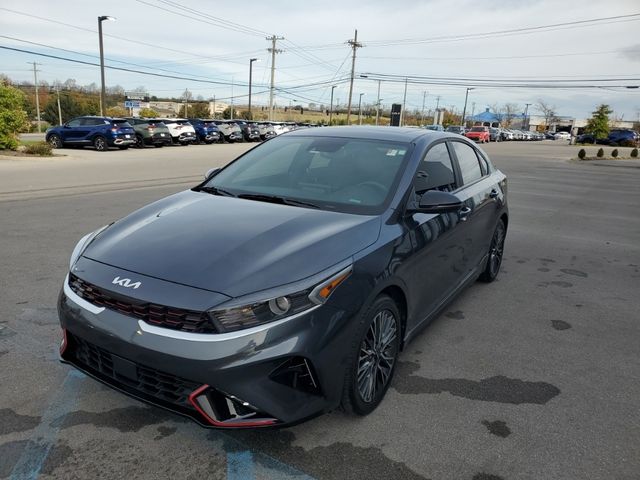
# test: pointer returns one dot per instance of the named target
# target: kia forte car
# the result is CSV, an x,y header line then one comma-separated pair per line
x,y
288,282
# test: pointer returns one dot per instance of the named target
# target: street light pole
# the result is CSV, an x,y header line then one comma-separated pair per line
x,y
424,98
35,82
250,78
360,109
464,110
331,108
102,87
404,102
59,109
526,111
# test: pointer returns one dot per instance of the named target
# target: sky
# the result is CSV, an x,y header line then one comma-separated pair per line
x,y
451,45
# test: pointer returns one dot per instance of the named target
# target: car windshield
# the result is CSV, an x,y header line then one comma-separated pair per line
x,y
477,129
349,175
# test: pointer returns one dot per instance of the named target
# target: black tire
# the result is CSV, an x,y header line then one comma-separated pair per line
x,y
100,144
55,141
365,381
496,251
139,141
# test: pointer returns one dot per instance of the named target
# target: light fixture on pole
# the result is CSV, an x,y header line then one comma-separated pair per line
x,y
331,108
464,110
377,101
102,88
251,60
360,109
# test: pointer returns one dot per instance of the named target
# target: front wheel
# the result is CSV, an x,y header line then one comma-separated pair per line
x,y
373,357
496,251
100,143
55,141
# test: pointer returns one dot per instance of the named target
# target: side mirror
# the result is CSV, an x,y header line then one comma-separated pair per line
x,y
210,173
435,201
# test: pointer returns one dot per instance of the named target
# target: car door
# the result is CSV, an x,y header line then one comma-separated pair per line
x,y
90,127
71,131
479,192
436,265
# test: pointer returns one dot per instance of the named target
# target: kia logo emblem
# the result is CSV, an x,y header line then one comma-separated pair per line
x,y
126,282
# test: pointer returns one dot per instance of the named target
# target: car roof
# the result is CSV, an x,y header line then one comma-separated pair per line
x,y
394,134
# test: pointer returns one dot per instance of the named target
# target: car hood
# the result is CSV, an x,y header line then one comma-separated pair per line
x,y
229,245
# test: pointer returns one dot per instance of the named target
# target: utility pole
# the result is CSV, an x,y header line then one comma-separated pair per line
x,y
251,60
404,102
424,98
231,113
378,104
273,50
214,106
360,109
35,81
464,110
354,45
331,107
526,111
59,109
103,105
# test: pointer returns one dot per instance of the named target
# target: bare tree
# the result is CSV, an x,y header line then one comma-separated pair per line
x,y
509,110
547,110
497,111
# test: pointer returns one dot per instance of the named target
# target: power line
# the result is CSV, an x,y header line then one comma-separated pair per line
x,y
489,34
138,42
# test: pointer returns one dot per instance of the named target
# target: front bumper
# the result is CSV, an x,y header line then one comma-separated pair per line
x,y
275,375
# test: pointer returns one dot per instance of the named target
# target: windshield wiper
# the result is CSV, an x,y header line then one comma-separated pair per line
x,y
215,191
276,199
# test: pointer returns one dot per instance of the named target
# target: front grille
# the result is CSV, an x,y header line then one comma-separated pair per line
x,y
154,314
149,383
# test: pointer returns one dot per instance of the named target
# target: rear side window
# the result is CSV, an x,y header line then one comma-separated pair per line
x,y
436,171
468,161
93,122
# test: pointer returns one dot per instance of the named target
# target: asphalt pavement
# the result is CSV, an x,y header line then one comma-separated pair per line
x,y
534,376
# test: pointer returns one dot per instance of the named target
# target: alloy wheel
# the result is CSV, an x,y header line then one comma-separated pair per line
x,y
377,355
497,249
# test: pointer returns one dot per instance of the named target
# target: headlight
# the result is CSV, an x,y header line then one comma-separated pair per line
x,y
278,307
83,244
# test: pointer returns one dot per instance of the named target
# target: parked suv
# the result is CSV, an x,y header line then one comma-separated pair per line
x,y
182,132
266,130
206,130
250,131
101,132
459,129
622,138
150,132
229,130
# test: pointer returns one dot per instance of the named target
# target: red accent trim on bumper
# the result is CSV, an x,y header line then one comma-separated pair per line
x,y
64,343
229,423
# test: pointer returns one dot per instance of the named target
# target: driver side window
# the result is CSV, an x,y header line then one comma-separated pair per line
x,y
436,171
74,123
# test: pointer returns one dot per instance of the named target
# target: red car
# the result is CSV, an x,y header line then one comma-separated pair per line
x,y
479,134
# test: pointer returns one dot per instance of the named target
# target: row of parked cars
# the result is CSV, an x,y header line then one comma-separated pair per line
x,y
483,134
105,132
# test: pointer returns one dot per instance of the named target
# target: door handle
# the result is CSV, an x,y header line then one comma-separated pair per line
x,y
494,193
463,213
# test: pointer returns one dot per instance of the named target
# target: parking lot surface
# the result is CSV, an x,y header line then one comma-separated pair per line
x,y
534,376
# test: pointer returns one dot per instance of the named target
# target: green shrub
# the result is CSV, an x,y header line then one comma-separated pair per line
x,y
582,154
614,154
634,153
13,118
600,153
41,148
